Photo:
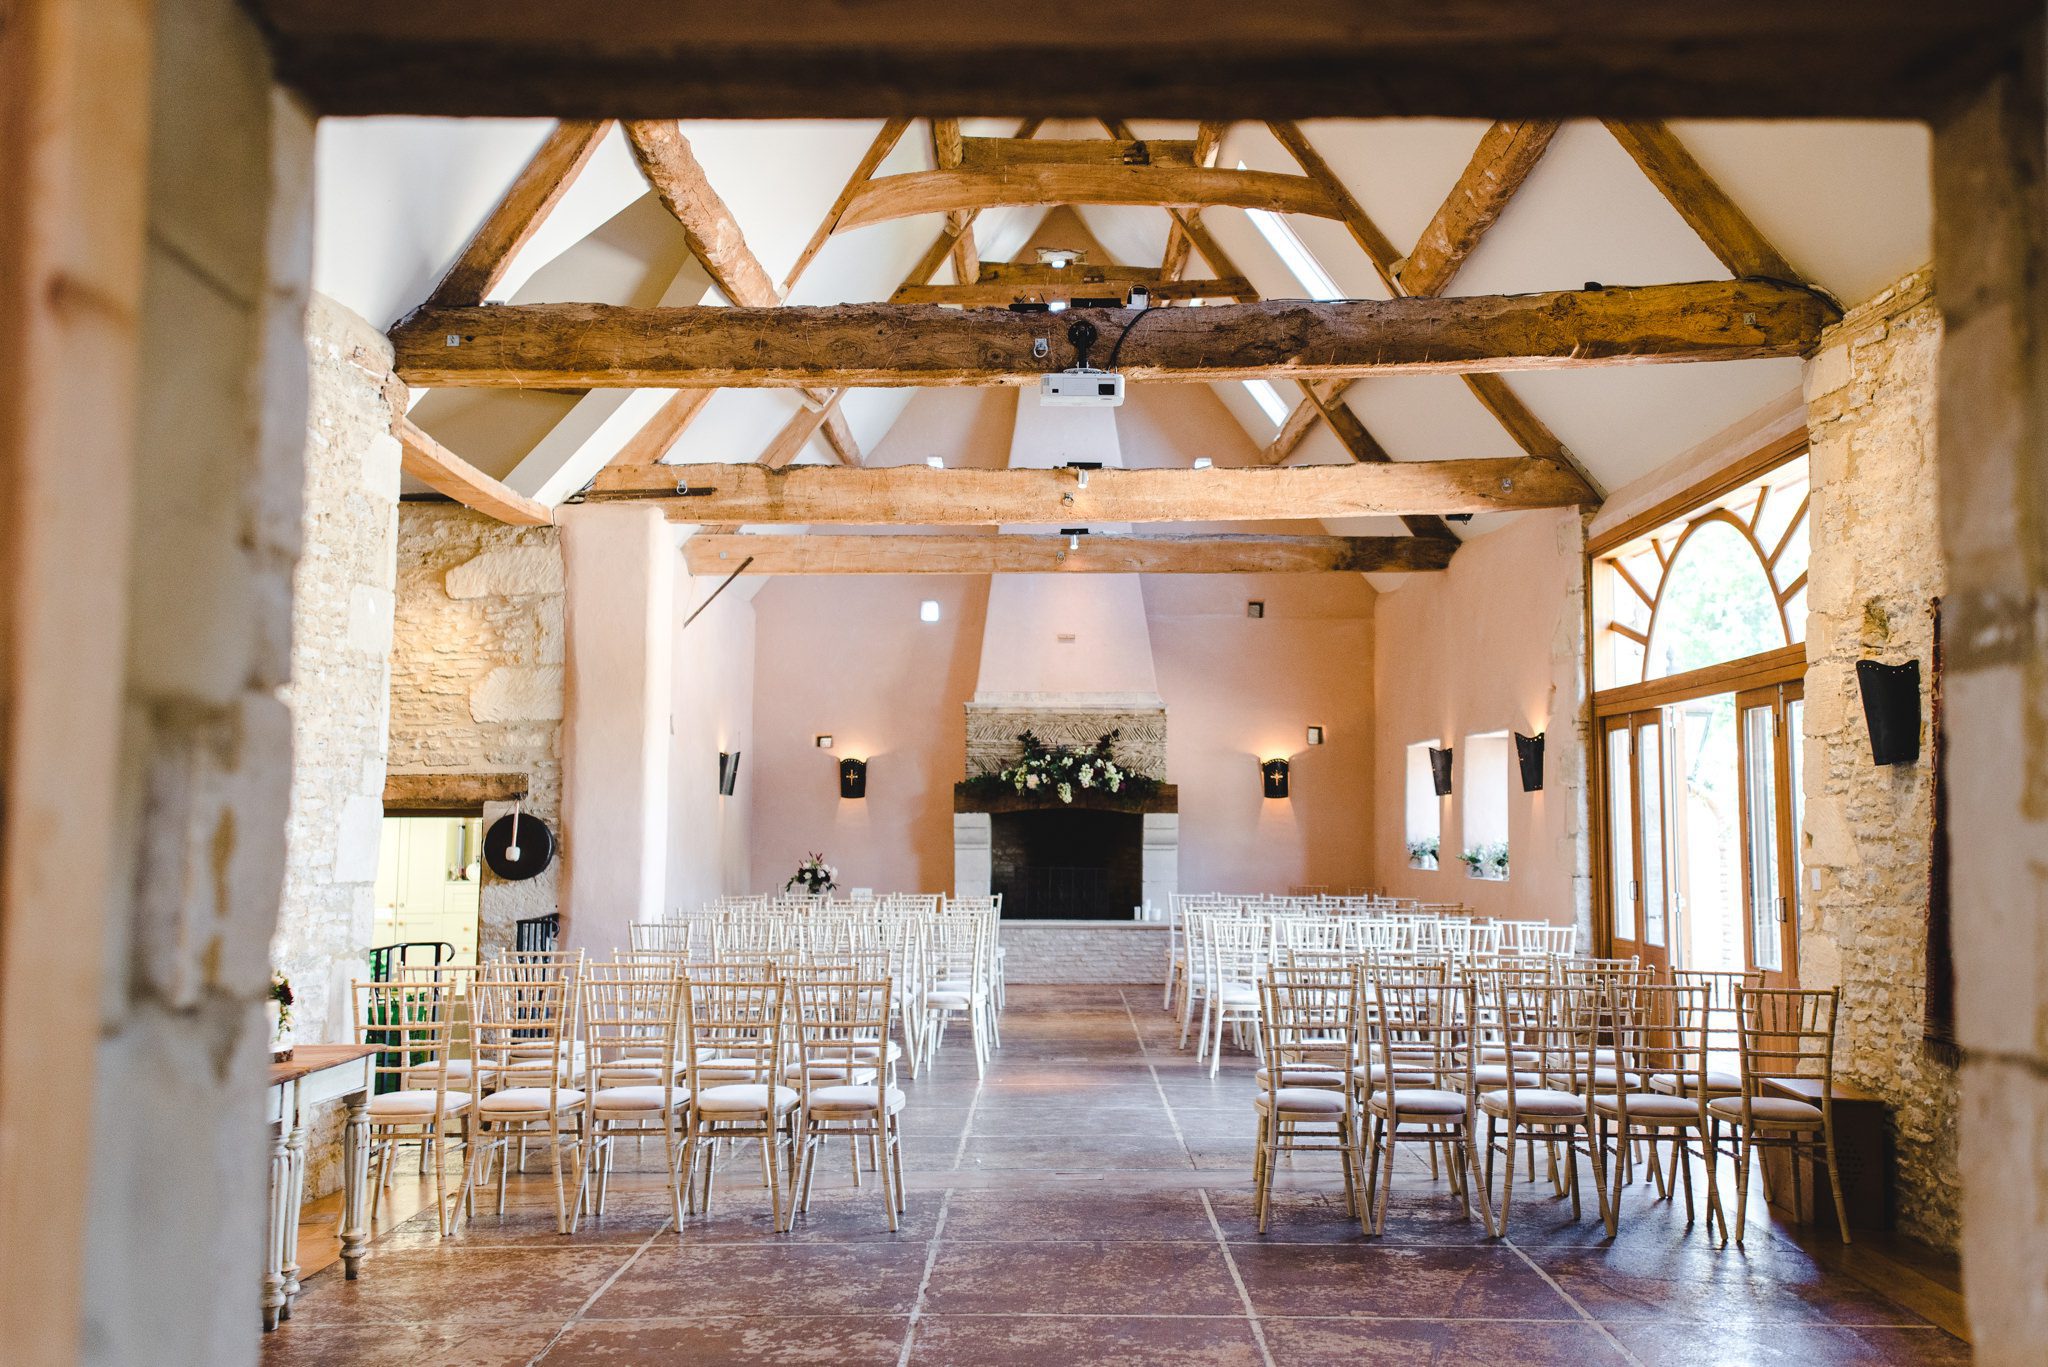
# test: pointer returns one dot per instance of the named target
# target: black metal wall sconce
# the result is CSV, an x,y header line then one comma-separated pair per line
x,y
1891,709
728,772
1440,770
853,778
1529,754
1274,774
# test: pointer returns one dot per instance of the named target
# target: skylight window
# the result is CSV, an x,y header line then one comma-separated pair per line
x,y
1308,273
1268,398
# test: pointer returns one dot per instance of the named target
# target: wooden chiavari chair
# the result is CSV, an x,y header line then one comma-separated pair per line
x,y
1786,1033
631,1018
1424,1042
842,1025
734,1039
520,1028
412,1024
1309,1017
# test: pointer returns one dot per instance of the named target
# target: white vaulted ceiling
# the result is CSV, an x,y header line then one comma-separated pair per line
x,y
1846,204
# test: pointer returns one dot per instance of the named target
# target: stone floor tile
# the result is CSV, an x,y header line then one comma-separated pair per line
x,y
1437,1343
1414,1282
1038,1341
1095,1277
770,1278
736,1341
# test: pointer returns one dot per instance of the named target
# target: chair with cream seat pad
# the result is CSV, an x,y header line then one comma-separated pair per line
x,y
1422,1034
412,1024
841,1025
1553,1028
1660,1088
520,1026
632,1021
1309,1017
734,1037
1786,1033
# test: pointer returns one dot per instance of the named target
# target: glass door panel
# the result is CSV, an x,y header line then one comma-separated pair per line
x,y
1653,844
1621,835
1769,866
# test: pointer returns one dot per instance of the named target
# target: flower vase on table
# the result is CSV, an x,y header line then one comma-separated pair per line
x,y
814,876
279,1011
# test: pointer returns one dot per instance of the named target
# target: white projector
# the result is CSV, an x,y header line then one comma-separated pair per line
x,y
1081,389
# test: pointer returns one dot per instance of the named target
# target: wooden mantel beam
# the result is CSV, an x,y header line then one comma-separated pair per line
x,y
917,495
606,346
970,554
1200,59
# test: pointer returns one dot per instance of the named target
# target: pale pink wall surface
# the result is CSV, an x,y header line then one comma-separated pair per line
x,y
708,852
1490,644
1240,690
847,656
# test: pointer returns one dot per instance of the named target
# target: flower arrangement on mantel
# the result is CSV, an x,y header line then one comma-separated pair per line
x,y
814,876
1422,854
1061,771
1487,861
279,1011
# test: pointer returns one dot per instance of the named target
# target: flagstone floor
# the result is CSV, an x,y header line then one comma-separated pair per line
x,y
1089,1201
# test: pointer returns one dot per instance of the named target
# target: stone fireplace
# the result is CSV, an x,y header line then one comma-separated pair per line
x,y
1068,658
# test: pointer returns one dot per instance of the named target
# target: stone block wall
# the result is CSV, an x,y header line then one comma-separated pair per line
x,y
339,690
1113,952
477,672
1876,572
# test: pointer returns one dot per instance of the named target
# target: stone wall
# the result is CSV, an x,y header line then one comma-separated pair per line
x,y
339,690
1876,572
1113,952
476,672
174,1227
993,728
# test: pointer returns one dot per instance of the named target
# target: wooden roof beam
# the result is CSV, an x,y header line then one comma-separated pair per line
x,y
916,495
1202,59
1504,158
434,465
715,239
533,195
1020,554
1055,183
600,345
1738,243
995,288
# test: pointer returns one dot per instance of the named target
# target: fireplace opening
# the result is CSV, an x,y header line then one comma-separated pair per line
x,y
1067,865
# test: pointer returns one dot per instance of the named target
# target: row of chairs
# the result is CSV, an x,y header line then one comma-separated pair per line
x,y
548,1049
1590,1063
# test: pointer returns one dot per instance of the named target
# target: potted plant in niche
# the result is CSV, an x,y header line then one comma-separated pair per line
x,y
1486,861
1497,861
1422,853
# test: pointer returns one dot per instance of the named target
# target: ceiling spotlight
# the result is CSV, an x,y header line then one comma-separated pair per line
x,y
1203,462
1059,258
936,462
1073,536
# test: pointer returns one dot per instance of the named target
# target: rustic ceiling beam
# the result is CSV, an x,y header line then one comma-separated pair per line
x,y
440,469
1301,421
1506,154
916,495
611,346
993,290
803,424
1016,554
1002,154
1053,183
715,239
1738,243
946,156
1203,59
661,431
1208,142
1492,392
878,151
533,195
1366,450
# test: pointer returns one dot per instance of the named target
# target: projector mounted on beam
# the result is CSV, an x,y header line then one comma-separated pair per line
x,y
1081,385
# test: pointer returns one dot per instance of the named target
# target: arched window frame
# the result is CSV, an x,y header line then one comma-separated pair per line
x,y
1743,509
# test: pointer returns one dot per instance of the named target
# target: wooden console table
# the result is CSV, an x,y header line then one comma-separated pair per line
x,y
315,1073
1862,1150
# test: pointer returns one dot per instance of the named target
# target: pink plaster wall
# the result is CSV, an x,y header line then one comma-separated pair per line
x,y
847,656
708,849
620,567
1491,644
1240,690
